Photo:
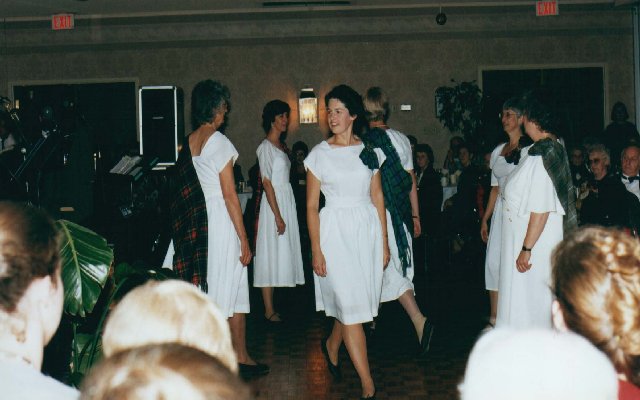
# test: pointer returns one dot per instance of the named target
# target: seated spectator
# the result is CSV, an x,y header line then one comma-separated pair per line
x,y
452,161
167,371
596,282
461,208
165,312
31,301
579,172
619,133
537,365
630,176
606,203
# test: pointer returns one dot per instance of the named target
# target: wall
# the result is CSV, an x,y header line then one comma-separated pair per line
x,y
262,56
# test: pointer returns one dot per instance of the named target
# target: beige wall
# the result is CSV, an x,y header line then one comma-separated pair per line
x,y
266,56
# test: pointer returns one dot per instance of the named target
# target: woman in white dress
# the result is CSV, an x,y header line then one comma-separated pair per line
x,y
278,261
228,252
402,201
504,158
347,245
538,205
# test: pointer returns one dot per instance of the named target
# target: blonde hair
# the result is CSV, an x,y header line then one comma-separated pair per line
x,y
167,371
596,280
169,311
376,105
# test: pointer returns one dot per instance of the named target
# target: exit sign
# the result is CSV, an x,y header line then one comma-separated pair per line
x,y
62,21
545,8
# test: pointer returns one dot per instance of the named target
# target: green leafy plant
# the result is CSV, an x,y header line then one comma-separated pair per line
x,y
90,279
459,108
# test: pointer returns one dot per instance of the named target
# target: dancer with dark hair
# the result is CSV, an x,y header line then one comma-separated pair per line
x,y
349,253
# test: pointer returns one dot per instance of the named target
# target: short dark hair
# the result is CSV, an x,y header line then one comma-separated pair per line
x,y
270,110
206,98
352,101
300,145
412,140
619,105
539,108
513,103
425,148
29,249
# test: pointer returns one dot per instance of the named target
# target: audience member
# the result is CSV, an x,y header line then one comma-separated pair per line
x,y
429,200
452,161
619,133
606,203
168,371
536,365
31,301
631,169
596,283
165,312
579,172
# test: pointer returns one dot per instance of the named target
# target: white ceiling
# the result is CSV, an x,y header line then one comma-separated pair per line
x,y
16,10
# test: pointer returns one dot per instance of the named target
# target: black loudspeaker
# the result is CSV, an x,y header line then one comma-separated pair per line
x,y
161,123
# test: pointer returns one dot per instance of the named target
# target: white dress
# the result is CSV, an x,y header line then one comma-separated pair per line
x,y
278,260
525,298
394,284
350,235
500,168
21,381
226,276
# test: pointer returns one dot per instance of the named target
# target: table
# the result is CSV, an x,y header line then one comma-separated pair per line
x,y
447,193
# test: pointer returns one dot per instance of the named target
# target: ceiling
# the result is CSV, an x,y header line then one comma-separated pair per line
x,y
25,10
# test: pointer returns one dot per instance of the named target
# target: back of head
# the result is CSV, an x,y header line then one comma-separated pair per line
x,y
270,110
596,281
166,312
537,364
207,97
376,105
167,371
540,107
29,249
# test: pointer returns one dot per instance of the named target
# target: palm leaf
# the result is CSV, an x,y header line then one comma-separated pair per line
x,y
86,258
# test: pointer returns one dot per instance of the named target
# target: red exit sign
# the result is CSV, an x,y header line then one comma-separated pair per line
x,y
544,8
62,21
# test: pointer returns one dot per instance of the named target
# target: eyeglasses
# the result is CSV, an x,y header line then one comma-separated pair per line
x,y
508,114
594,161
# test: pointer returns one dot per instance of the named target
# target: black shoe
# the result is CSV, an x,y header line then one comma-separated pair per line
x,y
425,340
249,371
334,370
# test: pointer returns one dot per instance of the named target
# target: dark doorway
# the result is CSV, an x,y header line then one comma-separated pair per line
x,y
579,92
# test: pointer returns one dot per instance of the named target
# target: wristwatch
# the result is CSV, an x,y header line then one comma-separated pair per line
x,y
524,248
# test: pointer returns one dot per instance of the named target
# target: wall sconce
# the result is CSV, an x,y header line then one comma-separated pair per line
x,y
308,106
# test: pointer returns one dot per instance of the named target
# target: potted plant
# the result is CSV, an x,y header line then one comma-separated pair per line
x,y
459,109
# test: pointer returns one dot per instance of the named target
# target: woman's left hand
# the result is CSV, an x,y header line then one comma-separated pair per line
x,y
386,256
522,262
417,229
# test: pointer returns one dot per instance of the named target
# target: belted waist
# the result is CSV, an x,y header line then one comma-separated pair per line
x,y
347,201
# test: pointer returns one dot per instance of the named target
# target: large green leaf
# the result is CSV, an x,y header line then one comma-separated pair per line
x,y
86,258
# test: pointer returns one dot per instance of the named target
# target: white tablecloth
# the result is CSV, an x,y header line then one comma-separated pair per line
x,y
447,193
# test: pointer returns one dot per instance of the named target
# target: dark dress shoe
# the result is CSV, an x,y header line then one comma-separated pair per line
x,y
250,371
334,370
425,340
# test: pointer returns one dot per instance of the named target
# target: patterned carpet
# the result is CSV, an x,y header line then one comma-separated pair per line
x,y
455,301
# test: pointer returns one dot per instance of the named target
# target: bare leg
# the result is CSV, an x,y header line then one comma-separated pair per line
x,y
334,341
356,343
267,297
409,304
493,299
238,326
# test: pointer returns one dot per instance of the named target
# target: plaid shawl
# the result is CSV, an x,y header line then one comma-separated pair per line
x,y
556,162
189,222
396,186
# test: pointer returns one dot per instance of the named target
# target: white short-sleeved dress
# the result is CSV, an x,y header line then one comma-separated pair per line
x,y
500,168
525,298
278,260
394,284
350,235
226,276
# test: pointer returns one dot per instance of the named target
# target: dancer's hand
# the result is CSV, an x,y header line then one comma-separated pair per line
x,y
522,262
484,231
417,228
245,252
386,255
319,263
280,225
